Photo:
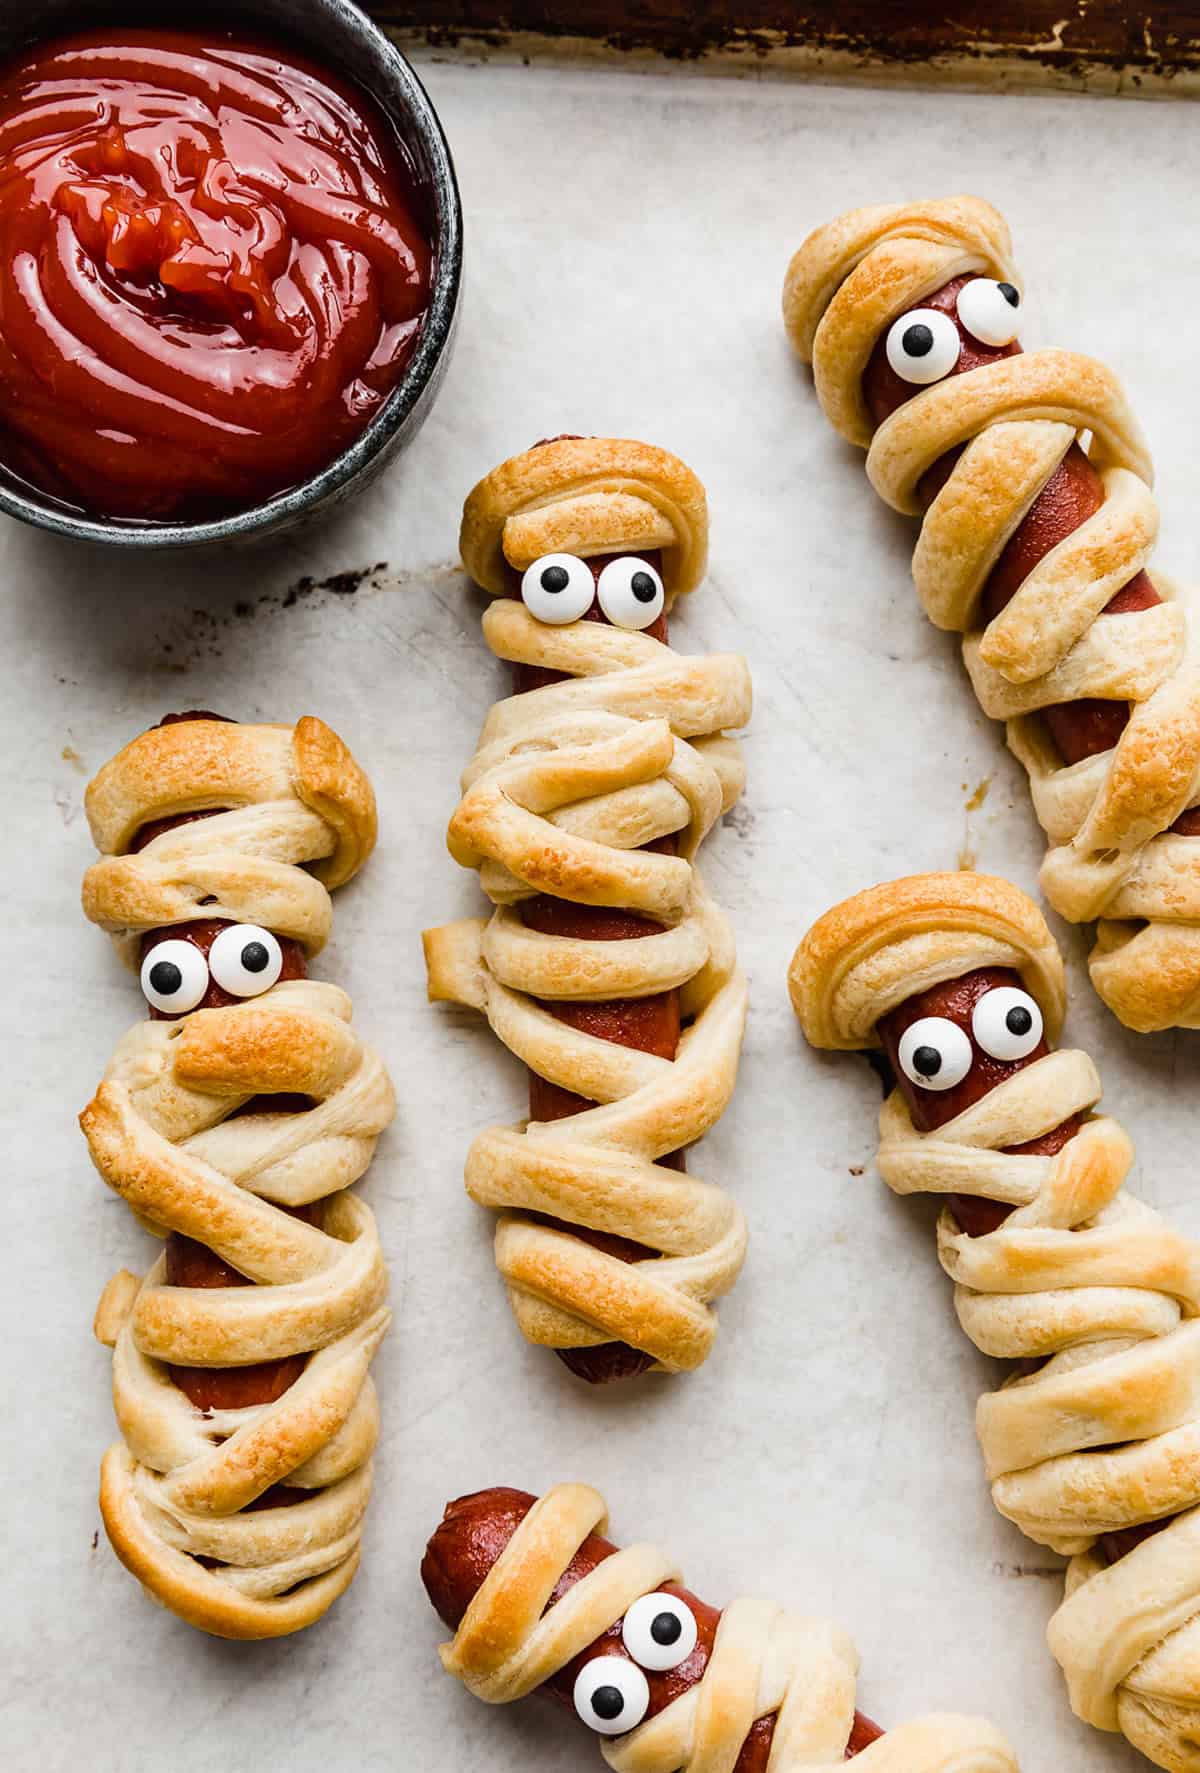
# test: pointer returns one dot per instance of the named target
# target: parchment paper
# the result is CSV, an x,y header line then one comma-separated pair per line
x,y
627,237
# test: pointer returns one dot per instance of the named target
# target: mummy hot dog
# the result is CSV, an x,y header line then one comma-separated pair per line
x,y
605,966
231,1122
1035,552
537,1599
1093,1446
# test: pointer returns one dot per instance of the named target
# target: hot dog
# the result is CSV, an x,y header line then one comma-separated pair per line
x,y
1031,480
956,1000
233,1120
473,1533
665,1679
1092,1446
1072,494
583,808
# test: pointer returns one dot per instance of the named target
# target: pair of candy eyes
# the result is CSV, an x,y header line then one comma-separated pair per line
x,y
936,1054
559,588
244,960
923,345
612,1694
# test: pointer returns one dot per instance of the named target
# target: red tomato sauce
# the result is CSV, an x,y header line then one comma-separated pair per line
x,y
212,270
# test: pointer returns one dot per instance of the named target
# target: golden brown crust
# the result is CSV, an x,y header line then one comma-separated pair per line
x,y
1003,429
190,1591
765,1662
164,1133
299,820
571,791
1099,1431
586,495
865,956
175,1129
331,782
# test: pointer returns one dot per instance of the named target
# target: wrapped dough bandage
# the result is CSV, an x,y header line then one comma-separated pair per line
x,y
539,1600
1035,551
605,966
231,1123
1092,1446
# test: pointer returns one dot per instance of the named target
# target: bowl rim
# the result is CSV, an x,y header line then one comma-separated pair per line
x,y
437,331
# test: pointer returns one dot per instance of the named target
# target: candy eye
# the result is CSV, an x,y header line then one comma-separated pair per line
x,y
174,977
245,960
923,346
659,1631
558,589
990,311
631,593
935,1053
611,1695
1007,1023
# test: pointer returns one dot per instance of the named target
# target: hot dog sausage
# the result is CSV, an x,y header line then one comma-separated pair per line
x,y
191,1264
1071,495
475,1530
651,1024
955,1000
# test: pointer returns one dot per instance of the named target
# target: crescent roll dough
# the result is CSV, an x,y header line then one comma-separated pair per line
x,y
766,1662
175,1130
997,434
1101,1432
570,784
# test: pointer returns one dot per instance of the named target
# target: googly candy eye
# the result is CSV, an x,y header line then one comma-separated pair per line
x,y
990,311
935,1053
558,589
245,960
1007,1023
611,1695
659,1631
631,593
923,345
174,977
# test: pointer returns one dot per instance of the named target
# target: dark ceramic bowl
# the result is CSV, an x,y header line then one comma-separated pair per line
x,y
337,34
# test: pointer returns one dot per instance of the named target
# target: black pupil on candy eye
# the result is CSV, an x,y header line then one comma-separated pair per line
x,y
555,578
643,587
165,977
928,1061
255,956
608,1703
665,1628
918,340
1018,1020
1010,295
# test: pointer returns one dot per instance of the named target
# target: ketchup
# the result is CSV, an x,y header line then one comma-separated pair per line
x,y
212,271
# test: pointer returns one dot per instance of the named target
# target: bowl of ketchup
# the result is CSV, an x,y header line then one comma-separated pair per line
x,y
230,262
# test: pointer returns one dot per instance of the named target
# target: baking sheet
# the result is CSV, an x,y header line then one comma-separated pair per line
x,y
627,237
1103,46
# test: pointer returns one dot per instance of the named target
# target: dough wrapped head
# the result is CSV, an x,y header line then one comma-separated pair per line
x,y
586,496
